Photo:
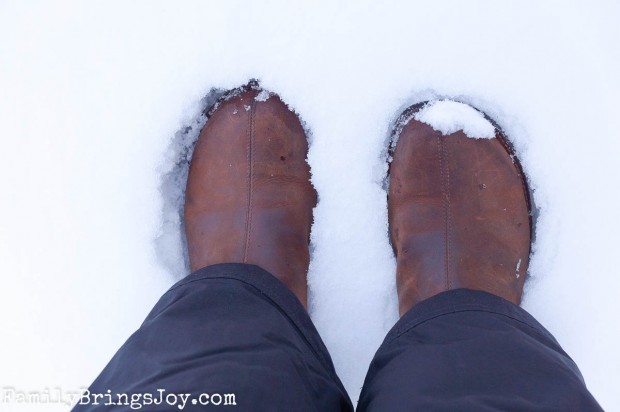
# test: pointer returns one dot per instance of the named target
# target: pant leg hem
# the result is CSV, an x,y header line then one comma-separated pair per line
x,y
274,291
463,300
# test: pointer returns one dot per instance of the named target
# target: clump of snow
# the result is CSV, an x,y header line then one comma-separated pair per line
x,y
447,117
262,96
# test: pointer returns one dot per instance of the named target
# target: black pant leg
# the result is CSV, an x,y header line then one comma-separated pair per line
x,y
225,329
466,350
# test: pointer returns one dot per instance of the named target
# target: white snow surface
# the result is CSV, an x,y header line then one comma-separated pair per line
x,y
447,117
101,102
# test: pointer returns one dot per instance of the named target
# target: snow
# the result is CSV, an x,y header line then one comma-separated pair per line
x,y
97,99
447,117
262,96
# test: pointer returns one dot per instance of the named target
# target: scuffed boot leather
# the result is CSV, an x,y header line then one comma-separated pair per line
x,y
249,198
459,214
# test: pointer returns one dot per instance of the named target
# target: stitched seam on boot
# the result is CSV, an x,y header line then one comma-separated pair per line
x,y
445,196
250,152
449,225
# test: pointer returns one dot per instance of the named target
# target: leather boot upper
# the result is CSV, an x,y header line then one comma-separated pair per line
x,y
458,214
249,198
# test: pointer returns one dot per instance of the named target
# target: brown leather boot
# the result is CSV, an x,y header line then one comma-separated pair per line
x,y
459,214
249,198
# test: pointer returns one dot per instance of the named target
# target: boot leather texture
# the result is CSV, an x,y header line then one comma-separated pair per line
x,y
459,214
249,198
458,207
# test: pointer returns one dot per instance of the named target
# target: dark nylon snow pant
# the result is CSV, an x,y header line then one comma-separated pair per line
x,y
235,329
